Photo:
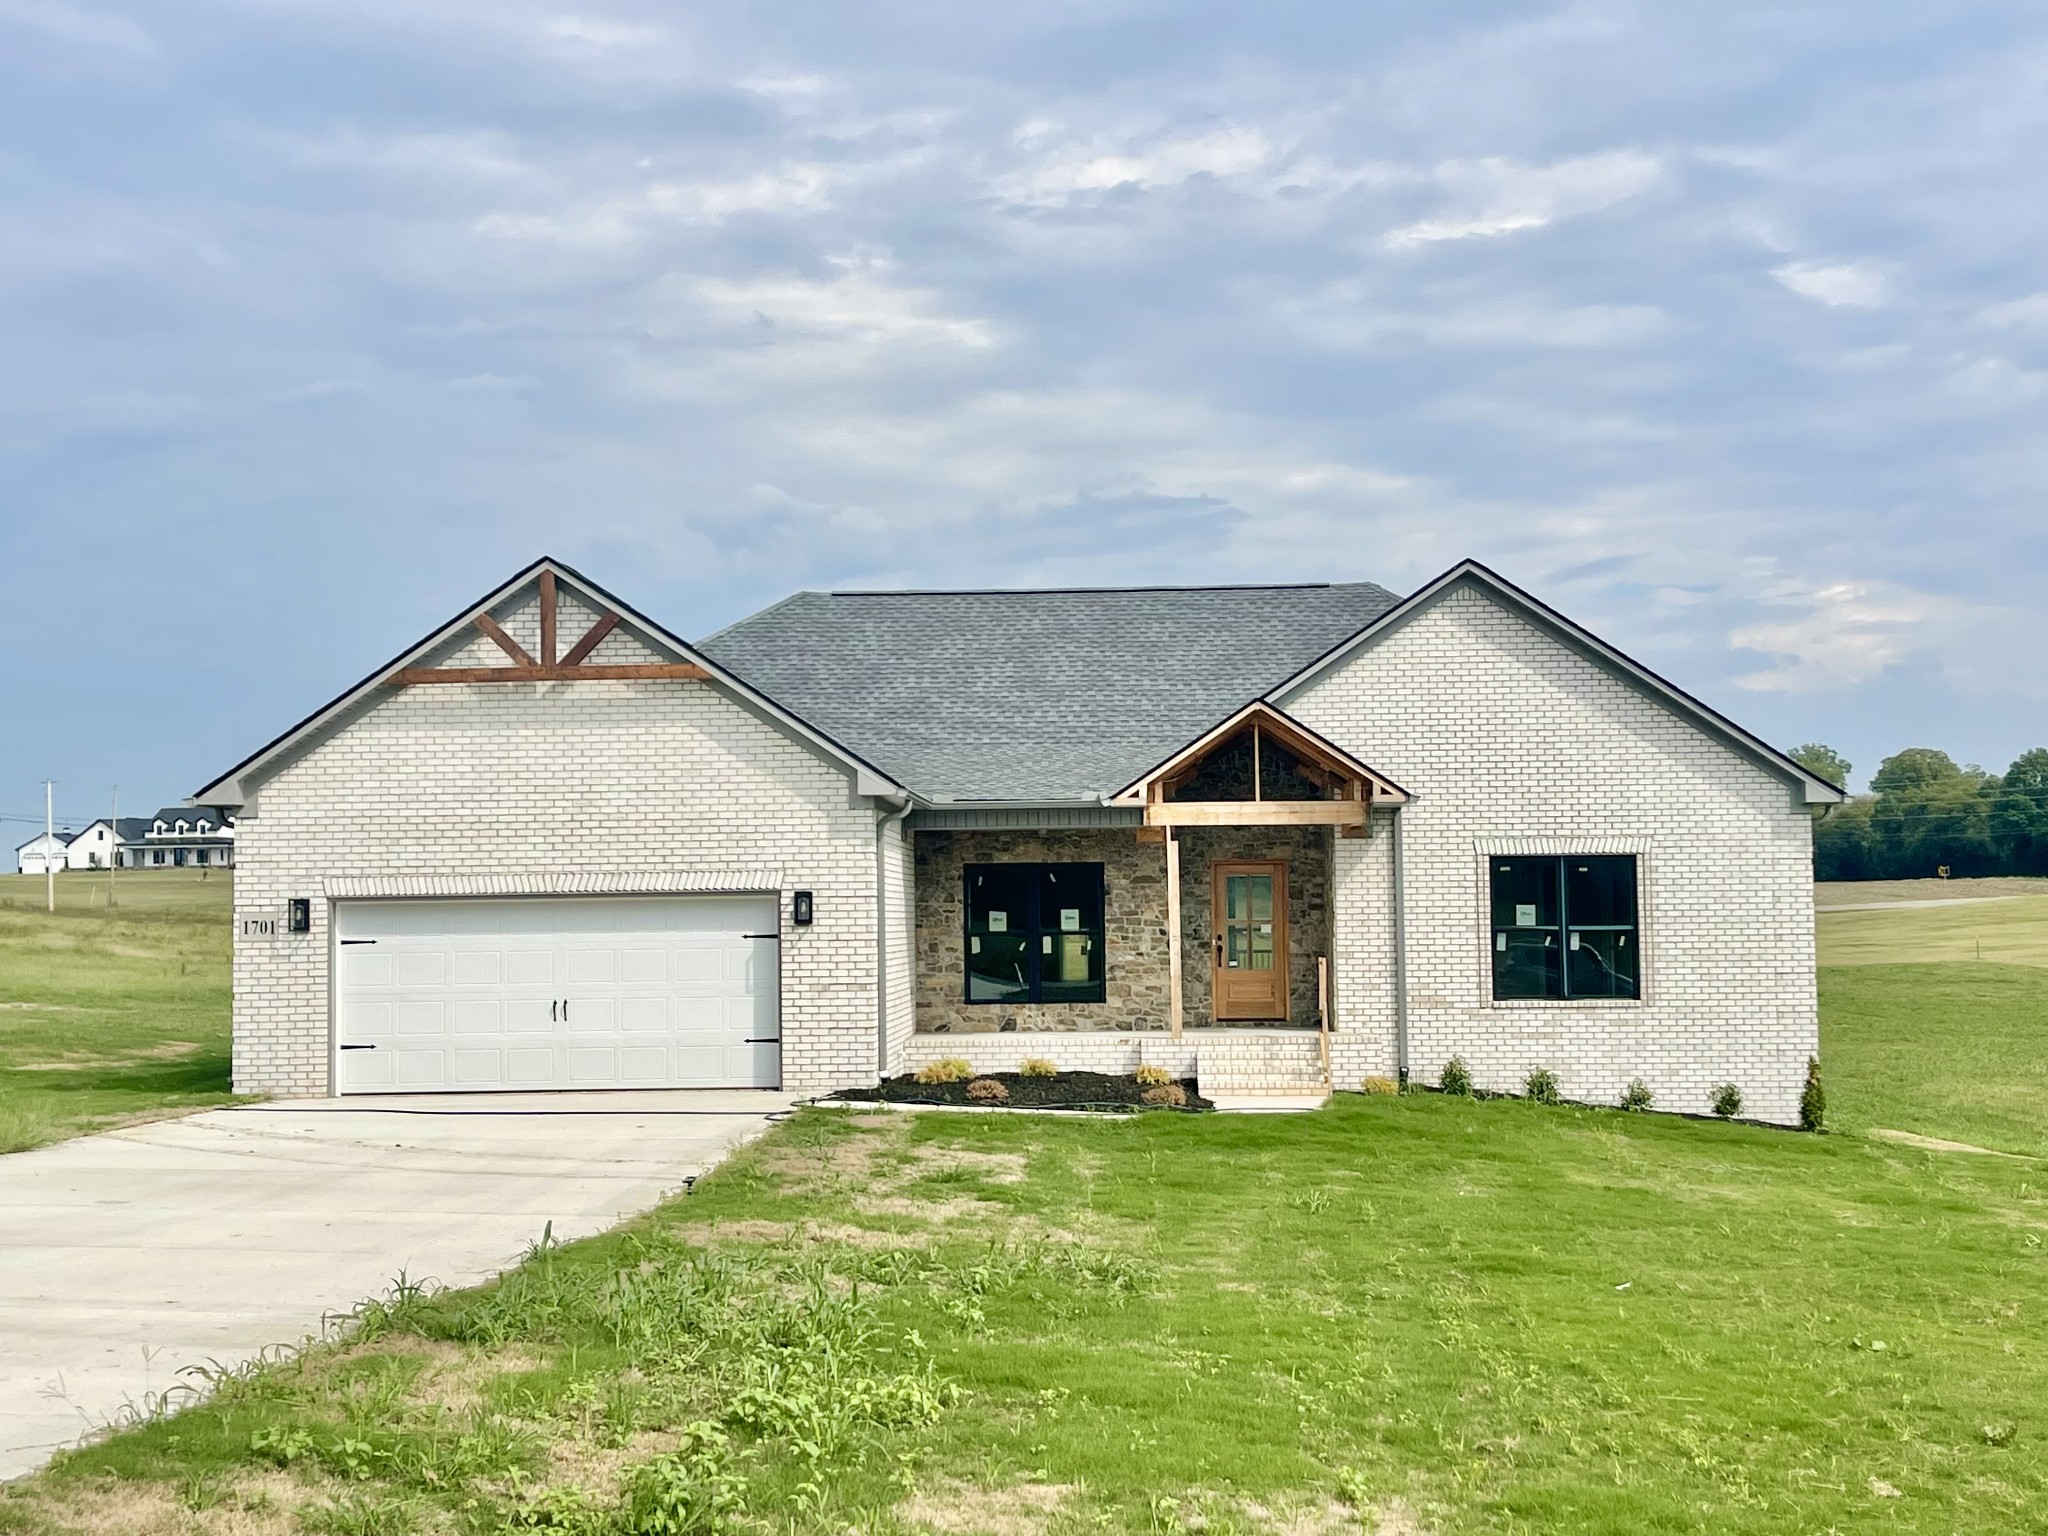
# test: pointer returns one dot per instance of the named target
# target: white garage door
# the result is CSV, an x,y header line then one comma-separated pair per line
x,y
584,992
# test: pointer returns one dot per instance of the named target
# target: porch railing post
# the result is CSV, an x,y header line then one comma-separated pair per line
x,y
1173,989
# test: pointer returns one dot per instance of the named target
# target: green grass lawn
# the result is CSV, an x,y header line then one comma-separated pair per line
x,y
112,1015
1414,1314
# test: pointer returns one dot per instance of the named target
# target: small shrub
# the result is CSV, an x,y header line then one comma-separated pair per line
x,y
1541,1086
1379,1085
1170,1095
1456,1078
1813,1099
947,1069
1636,1097
1150,1076
986,1090
1037,1066
1727,1101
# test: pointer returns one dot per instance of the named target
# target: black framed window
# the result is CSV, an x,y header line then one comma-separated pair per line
x,y
1565,927
1034,933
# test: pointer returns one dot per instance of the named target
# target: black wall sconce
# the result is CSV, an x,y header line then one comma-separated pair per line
x,y
800,909
299,915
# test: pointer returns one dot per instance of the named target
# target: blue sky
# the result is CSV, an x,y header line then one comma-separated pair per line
x,y
1722,327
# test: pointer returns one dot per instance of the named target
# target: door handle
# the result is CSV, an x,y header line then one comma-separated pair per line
x,y
1219,951
555,1011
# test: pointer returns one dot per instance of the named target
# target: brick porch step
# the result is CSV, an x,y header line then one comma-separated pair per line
x,y
1271,1063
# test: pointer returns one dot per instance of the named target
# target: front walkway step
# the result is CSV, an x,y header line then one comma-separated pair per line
x,y
1269,1103
1260,1063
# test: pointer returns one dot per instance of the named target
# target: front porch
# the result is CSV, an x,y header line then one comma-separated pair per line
x,y
1189,925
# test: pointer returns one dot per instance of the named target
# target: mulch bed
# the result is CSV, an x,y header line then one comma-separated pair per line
x,y
1064,1090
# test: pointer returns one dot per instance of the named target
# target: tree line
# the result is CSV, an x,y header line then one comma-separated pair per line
x,y
1925,813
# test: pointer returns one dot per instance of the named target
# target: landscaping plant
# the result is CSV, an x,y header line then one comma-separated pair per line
x,y
1456,1078
1540,1086
1150,1076
986,1090
1379,1086
1637,1097
947,1069
1037,1066
1727,1101
1813,1100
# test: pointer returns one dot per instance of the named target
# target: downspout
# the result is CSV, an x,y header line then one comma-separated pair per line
x,y
1400,957
884,825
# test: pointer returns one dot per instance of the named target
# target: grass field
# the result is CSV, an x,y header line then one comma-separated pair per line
x,y
1407,1315
110,1016
1417,1314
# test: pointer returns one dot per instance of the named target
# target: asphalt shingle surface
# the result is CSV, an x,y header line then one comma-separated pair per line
x,y
1033,695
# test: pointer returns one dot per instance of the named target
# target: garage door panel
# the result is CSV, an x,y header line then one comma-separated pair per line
x,y
589,965
419,1069
638,966
529,967
365,967
587,992
478,1069
700,964
529,1067
528,1016
479,1016
643,1014
425,1018
365,1071
479,968
421,968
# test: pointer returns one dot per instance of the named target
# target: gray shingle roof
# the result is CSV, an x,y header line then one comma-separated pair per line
x,y
1033,695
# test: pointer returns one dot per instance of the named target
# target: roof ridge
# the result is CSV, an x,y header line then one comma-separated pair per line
x,y
1255,586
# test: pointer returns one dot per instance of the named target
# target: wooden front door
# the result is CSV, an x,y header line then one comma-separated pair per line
x,y
1249,951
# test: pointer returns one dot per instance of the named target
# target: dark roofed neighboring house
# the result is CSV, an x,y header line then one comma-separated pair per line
x,y
1278,838
179,837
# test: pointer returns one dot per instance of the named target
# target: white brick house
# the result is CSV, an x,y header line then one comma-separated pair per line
x,y
1236,831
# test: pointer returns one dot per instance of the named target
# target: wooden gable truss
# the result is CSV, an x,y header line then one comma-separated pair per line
x,y
548,667
1351,787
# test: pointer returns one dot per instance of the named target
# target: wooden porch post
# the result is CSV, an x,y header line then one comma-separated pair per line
x,y
1173,1003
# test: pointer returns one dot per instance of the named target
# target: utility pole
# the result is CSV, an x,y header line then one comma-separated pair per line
x,y
114,829
50,838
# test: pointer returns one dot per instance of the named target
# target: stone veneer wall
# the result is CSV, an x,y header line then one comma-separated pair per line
x,y
1307,852
616,786
1134,917
1135,966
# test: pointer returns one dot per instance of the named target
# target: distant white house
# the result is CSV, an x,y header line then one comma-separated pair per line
x,y
176,837
179,837
42,853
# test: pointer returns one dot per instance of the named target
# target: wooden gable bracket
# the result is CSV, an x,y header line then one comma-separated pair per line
x,y
573,667
1353,787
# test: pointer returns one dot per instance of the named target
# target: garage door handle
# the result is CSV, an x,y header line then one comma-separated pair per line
x,y
760,935
751,1040
359,1047
358,941
555,1012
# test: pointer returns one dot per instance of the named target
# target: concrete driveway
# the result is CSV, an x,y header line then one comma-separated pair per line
x,y
127,1256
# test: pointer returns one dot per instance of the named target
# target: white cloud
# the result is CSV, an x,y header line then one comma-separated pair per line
x,y
1075,168
1499,197
1841,284
1842,634
2029,312
861,303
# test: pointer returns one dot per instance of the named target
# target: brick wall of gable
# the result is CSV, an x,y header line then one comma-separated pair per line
x,y
623,779
1510,741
